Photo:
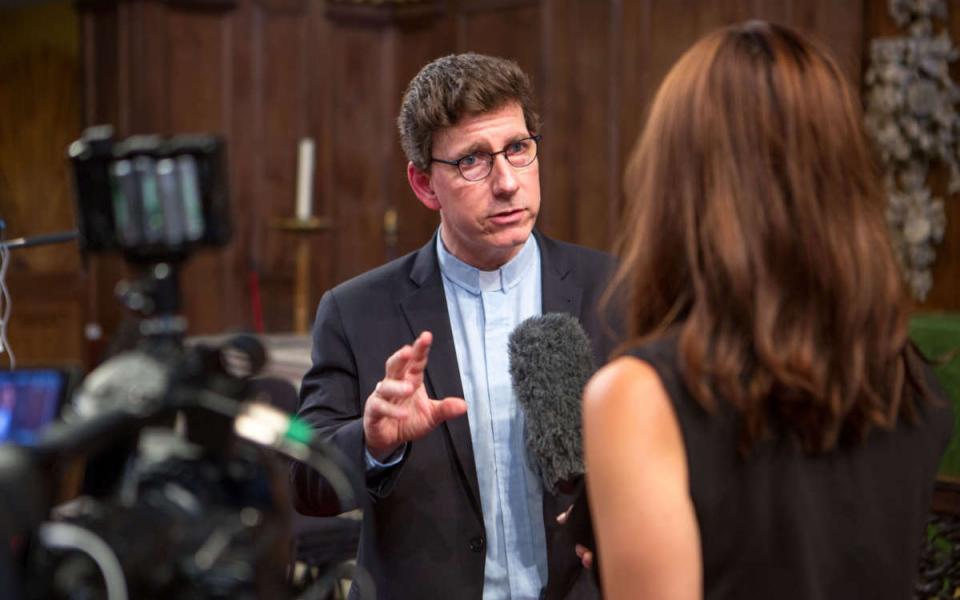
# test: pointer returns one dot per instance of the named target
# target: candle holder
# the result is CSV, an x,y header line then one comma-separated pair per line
x,y
303,229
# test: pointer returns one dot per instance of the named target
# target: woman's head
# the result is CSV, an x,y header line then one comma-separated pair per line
x,y
755,219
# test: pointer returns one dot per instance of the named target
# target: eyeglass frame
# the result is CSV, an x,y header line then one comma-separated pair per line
x,y
493,156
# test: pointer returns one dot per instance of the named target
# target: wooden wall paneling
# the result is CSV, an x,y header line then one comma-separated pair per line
x,y
597,162
389,163
946,271
646,38
40,108
249,234
281,58
383,13
197,71
405,223
877,21
193,63
40,104
358,135
634,83
318,123
416,46
557,153
578,166
150,86
649,37
945,294
782,12
46,322
111,44
510,30
100,39
474,6
838,26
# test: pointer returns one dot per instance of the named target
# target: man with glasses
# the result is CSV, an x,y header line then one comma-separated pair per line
x,y
456,510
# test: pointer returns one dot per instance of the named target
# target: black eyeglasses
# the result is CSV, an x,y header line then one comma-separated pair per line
x,y
478,165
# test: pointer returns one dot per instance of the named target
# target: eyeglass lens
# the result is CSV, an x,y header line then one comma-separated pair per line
x,y
478,165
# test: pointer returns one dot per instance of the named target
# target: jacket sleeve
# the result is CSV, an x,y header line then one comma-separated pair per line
x,y
330,404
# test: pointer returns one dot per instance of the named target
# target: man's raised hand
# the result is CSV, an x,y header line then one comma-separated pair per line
x,y
398,410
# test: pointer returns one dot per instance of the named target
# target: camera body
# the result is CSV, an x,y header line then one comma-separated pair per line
x,y
189,527
148,197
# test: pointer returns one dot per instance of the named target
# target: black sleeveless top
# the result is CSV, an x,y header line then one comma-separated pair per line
x,y
783,524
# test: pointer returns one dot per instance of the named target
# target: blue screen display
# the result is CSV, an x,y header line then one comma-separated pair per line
x,y
29,401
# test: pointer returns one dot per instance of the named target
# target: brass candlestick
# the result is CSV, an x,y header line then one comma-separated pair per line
x,y
303,229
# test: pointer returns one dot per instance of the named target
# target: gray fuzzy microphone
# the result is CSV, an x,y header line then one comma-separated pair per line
x,y
550,363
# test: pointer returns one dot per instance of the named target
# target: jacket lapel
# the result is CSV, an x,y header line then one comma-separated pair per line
x,y
560,293
426,310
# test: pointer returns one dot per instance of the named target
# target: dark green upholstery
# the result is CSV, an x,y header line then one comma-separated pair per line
x,y
938,336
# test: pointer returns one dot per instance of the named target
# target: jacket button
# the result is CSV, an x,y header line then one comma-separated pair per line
x,y
476,544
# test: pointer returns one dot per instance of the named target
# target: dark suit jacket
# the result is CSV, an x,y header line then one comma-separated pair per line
x,y
423,534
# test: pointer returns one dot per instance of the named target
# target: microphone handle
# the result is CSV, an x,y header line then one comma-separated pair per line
x,y
581,529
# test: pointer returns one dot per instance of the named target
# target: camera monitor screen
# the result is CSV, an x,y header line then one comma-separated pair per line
x,y
150,197
30,399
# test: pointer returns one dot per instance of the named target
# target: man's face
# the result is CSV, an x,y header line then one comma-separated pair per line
x,y
483,223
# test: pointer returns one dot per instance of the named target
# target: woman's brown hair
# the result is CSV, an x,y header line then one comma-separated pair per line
x,y
755,226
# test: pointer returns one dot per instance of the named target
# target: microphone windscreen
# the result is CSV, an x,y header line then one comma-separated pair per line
x,y
550,363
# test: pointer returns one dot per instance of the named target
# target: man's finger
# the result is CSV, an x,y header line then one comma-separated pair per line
x,y
418,357
585,556
392,389
410,358
378,408
396,365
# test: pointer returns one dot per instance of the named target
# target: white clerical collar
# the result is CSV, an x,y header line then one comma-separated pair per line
x,y
475,281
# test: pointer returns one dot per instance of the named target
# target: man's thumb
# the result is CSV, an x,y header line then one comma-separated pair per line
x,y
448,408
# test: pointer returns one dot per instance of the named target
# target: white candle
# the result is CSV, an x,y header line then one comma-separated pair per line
x,y
305,180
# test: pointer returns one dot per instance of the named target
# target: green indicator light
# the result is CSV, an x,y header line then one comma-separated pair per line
x,y
299,431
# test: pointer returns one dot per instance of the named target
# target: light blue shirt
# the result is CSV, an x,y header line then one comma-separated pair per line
x,y
485,307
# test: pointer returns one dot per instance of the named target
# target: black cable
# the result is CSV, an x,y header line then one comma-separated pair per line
x,y
39,240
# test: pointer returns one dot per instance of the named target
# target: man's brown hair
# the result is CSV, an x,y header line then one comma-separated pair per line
x,y
453,86
755,227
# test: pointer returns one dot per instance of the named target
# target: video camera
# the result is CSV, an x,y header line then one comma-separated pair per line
x,y
184,488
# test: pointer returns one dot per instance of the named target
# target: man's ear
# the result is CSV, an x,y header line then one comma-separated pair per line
x,y
422,186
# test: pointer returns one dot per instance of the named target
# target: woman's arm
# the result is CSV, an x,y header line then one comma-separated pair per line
x,y
647,536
